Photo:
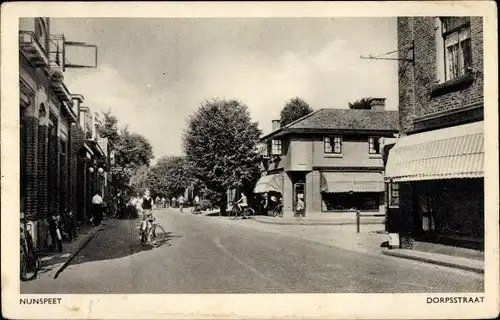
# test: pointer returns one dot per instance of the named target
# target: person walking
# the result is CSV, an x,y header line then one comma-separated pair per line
x,y
97,202
173,202
181,202
163,201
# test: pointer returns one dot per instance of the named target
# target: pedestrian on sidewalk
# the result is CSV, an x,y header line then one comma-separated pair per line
x,y
97,202
181,202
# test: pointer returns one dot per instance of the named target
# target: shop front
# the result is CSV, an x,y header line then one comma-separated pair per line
x,y
435,185
343,191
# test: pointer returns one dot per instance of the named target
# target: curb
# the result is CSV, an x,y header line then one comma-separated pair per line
x,y
77,251
316,223
397,254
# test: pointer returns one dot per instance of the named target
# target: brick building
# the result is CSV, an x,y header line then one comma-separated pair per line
x,y
435,170
51,138
331,158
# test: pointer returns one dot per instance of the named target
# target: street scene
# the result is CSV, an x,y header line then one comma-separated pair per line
x,y
204,254
256,155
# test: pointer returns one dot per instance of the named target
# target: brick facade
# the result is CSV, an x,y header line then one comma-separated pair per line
x,y
31,166
417,81
428,102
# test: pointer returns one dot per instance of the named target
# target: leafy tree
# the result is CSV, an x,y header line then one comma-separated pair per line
x,y
169,177
361,104
109,128
220,144
294,109
131,150
139,179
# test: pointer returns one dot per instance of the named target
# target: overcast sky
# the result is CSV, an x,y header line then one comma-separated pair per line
x,y
152,73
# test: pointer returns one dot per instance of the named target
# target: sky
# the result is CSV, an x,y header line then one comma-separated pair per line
x,y
153,73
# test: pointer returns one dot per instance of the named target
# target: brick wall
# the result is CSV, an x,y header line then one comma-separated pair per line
x,y
54,174
417,82
75,145
31,178
43,205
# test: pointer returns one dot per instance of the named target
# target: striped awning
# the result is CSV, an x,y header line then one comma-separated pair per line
x,y
272,182
338,182
450,153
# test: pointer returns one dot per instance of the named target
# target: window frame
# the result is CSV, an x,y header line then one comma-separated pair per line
x,y
394,201
467,61
333,146
375,140
279,143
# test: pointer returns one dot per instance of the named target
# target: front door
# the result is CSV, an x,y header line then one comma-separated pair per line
x,y
299,199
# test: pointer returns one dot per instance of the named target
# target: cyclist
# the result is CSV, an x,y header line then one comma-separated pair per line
x,y
147,205
196,202
242,203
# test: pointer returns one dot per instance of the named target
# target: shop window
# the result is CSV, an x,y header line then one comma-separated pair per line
x,y
333,145
276,147
374,145
394,194
454,48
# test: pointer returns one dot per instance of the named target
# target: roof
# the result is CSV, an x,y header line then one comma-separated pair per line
x,y
343,119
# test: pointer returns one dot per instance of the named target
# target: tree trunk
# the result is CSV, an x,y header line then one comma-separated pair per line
x,y
223,203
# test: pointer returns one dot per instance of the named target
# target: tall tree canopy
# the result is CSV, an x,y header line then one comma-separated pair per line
x,y
294,109
363,104
131,150
169,177
220,144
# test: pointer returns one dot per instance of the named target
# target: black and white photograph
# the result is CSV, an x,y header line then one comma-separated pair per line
x,y
271,156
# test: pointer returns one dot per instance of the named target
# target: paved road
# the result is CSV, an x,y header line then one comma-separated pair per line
x,y
216,255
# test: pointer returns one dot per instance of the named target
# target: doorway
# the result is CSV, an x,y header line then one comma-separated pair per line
x,y
299,199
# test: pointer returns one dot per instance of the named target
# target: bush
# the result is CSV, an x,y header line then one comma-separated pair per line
x,y
206,205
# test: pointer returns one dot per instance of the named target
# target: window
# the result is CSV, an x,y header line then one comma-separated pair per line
x,y
276,148
333,145
457,47
393,194
374,145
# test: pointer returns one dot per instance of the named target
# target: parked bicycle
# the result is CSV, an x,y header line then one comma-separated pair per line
x,y
154,233
247,213
196,209
55,233
29,261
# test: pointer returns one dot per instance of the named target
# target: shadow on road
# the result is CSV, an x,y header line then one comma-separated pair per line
x,y
118,241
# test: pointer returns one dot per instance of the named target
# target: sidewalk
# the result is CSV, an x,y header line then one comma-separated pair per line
x,y
320,220
467,264
53,261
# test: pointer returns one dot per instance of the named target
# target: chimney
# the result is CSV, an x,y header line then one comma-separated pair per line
x,y
377,104
276,124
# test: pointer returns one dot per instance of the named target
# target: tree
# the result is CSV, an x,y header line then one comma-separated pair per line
x,y
109,128
294,109
169,176
220,144
361,104
131,150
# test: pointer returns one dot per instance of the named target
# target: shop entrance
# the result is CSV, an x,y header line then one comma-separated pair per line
x,y
299,199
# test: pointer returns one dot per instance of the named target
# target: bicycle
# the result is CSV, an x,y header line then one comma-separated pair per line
x,y
277,211
154,233
196,209
29,261
55,234
247,213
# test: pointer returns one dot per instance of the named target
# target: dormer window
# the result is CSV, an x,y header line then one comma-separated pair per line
x,y
276,148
